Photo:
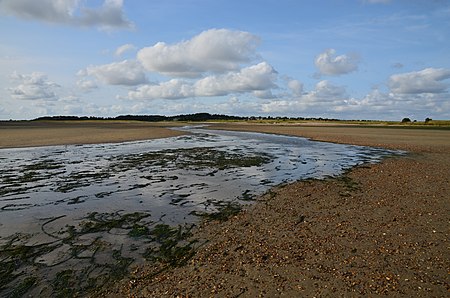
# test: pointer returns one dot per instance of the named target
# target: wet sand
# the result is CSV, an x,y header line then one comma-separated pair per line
x,y
46,133
379,230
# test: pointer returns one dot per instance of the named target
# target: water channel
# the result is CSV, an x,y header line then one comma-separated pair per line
x,y
97,209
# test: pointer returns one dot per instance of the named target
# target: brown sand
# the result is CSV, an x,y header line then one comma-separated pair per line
x,y
380,230
45,133
414,139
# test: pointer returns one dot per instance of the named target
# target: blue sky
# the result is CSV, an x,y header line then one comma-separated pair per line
x,y
352,59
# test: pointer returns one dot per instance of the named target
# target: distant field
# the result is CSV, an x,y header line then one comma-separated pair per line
x,y
420,124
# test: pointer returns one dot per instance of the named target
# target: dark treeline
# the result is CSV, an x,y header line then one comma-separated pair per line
x,y
186,117
149,118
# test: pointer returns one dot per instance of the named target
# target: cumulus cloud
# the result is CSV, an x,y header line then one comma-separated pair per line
x,y
173,89
71,12
296,87
109,16
323,99
429,80
44,10
260,77
124,48
212,51
86,85
127,72
326,92
35,86
263,94
330,64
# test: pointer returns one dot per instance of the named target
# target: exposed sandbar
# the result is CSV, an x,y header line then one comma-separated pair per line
x,y
46,133
379,230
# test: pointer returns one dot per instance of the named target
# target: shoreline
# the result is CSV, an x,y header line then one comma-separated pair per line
x,y
23,134
52,133
401,138
380,229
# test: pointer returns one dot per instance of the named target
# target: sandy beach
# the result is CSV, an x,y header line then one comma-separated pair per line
x,y
16,134
380,229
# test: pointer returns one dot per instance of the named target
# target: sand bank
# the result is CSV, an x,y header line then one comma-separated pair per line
x,y
46,133
412,139
380,229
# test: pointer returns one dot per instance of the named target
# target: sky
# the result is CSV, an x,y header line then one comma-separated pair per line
x,y
344,59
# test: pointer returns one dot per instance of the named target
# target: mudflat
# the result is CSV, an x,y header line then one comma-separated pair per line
x,y
380,229
15,134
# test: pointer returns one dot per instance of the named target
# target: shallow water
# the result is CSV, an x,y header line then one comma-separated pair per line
x,y
48,196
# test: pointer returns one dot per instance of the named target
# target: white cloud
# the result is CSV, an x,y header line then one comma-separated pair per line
x,y
428,80
173,89
35,86
376,98
296,87
396,106
44,10
73,110
127,72
326,92
330,64
330,101
212,51
109,15
260,77
263,94
323,99
86,85
124,48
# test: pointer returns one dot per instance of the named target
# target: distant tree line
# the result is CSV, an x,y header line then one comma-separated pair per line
x,y
202,117
148,118
408,120
185,117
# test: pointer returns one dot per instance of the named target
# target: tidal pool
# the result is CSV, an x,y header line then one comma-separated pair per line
x,y
75,217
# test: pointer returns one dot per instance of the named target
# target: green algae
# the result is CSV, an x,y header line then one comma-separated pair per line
x,y
64,284
225,210
101,222
14,255
138,231
23,287
190,158
172,249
